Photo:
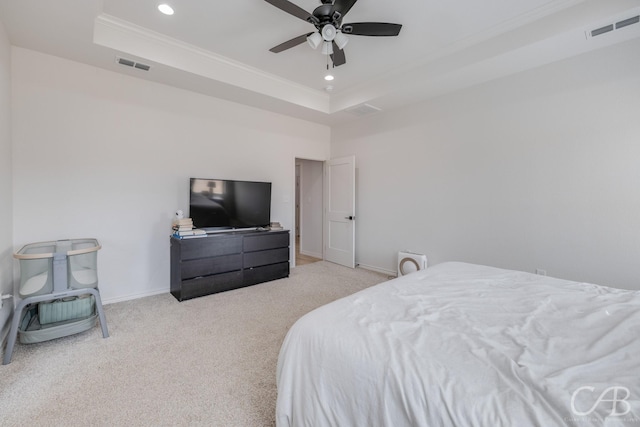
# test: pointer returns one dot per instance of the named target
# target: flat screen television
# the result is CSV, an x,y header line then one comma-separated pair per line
x,y
223,204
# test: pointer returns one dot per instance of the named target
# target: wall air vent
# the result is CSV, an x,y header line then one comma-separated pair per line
x,y
363,110
133,64
613,26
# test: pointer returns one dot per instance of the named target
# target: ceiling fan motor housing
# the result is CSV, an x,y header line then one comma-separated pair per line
x,y
325,14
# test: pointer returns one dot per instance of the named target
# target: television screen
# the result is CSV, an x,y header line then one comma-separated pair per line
x,y
227,204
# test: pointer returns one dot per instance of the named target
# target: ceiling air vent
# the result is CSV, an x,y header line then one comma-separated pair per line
x,y
601,30
363,110
627,22
613,26
133,64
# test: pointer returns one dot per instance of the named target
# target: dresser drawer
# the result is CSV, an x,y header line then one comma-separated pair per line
x,y
207,266
271,256
266,273
267,240
210,284
203,247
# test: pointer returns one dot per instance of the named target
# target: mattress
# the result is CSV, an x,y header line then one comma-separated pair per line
x,y
465,345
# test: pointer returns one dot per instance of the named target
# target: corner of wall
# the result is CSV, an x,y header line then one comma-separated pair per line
x,y
6,184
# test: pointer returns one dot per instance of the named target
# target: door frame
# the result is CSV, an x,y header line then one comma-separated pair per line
x,y
323,201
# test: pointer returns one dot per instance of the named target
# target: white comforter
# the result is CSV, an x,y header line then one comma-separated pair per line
x,y
465,345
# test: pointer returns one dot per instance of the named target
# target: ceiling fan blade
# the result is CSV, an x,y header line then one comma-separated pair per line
x,y
292,9
379,29
337,57
290,43
343,6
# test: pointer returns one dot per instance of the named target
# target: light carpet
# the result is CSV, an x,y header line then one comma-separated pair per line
x,y
206,361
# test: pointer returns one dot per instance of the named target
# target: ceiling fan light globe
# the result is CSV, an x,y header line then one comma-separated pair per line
x,y
327,48
314,40
341,40
329,32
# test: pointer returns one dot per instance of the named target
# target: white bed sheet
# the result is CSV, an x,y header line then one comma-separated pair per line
x,y
465,345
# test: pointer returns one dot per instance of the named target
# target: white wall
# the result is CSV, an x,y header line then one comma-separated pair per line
x,y
311,207
99,154
6,203
538,170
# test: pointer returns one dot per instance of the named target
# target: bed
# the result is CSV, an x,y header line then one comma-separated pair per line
x,y
465,345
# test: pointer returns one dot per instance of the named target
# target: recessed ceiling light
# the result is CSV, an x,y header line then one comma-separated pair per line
x,y
328,77
165,8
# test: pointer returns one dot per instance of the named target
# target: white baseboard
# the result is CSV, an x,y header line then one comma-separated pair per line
x,y
134,296
390,273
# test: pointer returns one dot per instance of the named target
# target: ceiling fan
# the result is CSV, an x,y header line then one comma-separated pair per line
x,y
327,19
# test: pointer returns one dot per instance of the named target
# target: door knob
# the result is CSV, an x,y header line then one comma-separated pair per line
x,y
350,217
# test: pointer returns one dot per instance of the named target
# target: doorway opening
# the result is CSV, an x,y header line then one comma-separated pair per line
x,y
309,206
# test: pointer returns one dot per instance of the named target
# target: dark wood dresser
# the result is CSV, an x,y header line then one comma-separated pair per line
x,y
225,261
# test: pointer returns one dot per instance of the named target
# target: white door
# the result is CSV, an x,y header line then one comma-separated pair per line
x,y
340,231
